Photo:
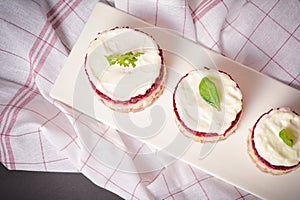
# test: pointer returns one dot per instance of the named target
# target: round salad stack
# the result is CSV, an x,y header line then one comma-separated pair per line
x,y
273,142
125,69
207,105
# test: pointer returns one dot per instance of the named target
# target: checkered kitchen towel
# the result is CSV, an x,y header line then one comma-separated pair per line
x,y
38,133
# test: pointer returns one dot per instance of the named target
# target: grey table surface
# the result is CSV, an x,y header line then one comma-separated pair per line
x,y
49,185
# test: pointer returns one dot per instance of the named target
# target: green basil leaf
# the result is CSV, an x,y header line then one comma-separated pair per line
x,y
124,60
285,138
208,91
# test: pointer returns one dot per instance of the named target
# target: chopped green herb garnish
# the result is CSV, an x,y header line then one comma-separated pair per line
x,y
209,93
125,59
285,138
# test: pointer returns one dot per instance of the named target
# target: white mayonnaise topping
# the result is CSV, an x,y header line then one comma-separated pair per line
x,y
200,116
268,143
119,82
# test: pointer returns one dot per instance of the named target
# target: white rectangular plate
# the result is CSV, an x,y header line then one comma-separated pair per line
x,y
228,159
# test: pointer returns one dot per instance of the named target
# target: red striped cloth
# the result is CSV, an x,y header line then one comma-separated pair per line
x,y
40,134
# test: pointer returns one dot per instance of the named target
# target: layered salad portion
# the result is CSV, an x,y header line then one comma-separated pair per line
x,y
274,143
125,69
207,104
